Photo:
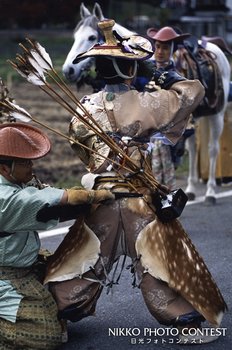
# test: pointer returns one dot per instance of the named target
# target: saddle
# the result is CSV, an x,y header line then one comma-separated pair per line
x,y
201,64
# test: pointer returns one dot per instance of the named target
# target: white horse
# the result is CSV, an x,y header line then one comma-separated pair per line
x,y
86,34
215,125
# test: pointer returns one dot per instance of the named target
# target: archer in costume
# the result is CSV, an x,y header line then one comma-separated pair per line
x,y
175,283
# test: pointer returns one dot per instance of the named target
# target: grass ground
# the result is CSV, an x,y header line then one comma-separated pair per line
x,y
57,43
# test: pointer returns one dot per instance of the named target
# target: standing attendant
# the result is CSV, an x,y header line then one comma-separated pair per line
x,y
165,156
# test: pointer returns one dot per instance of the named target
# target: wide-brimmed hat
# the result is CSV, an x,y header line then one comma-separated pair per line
x,y
166,34
135,47
19,140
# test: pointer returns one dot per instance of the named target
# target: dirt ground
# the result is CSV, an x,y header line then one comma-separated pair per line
x,y
61,165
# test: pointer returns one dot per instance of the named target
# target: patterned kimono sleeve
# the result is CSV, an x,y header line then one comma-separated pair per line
x,y
81,136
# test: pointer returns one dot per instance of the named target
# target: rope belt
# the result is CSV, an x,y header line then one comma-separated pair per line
x,y
119,182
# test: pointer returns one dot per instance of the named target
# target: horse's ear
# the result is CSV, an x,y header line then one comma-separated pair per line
x,y
97,11
84,12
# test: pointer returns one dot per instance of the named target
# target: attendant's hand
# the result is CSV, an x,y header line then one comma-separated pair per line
x,y
82,196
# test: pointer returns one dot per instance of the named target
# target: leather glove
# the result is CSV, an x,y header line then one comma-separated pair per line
x,y
165,79
77,196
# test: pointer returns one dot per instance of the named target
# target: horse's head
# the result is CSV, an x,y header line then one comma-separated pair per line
x,y
86,34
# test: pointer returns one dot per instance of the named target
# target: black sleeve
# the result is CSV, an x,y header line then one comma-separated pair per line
x,y
165,79
62,212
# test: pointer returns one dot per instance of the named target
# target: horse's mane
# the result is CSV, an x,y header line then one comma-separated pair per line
x,y
90,21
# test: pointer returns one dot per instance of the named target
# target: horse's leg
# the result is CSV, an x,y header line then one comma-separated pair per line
x,y
192,174
216,123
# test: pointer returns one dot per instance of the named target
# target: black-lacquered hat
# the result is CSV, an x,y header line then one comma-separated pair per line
x,y
135,47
